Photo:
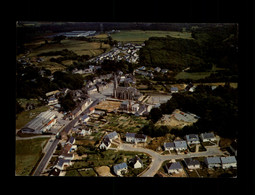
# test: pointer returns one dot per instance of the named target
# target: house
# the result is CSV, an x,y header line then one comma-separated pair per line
x,y
169,146
174,89
135,138
55,172
85,132
164,71
192,163
112,136
180,145
213,162
192,139
136,162
228,162
124,105
142,68
105,144
61,163
157,69
135,107
120,169
67,156
52,100
188,87
84,118
207,137
233,147
174,167
92,90
71,140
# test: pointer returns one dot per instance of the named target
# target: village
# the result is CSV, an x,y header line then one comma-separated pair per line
x,y
102,127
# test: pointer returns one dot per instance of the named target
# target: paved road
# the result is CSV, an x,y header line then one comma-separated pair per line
x,y
158,159
46,158
33,137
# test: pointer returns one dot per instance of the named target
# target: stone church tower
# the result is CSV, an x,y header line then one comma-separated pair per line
x,y
115,85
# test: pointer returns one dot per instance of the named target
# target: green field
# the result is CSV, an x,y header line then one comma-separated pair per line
x,y
28,152
193,75
141,36
24,117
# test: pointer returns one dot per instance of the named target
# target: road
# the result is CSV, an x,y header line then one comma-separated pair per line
x,y
54,144
158,159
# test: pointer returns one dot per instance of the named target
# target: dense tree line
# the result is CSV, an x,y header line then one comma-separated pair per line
x,y
217,109
210,45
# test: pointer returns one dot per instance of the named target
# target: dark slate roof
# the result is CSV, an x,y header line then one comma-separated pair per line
x,y
213,160
169,144
207,135
54,172
142,136
136,158
180,144
192,137
111,135
84,117
174,88
173,166
190,161
228,159
130,134
71,140
119,166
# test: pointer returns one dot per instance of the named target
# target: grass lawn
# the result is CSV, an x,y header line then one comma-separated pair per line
x,y
28,153
141,36
24,117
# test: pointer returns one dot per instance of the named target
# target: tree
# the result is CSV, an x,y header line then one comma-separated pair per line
x,y
67,102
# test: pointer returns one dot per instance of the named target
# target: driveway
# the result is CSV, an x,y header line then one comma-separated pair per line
x,y
158,159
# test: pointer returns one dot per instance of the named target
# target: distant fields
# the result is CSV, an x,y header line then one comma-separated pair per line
x,y
193,75
28,152
141,36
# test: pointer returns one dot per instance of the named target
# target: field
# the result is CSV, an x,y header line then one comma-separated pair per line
x,y
24,117
28,152
193,75
141,36
124,123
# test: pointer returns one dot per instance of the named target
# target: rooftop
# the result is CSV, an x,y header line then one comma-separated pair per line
x,y
228,159
119,166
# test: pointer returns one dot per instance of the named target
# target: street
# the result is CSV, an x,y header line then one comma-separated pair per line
x,y
158,159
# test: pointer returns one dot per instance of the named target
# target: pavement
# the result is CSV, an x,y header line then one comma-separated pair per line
x,y
158,159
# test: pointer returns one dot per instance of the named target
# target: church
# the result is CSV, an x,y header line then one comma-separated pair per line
x,y
125,93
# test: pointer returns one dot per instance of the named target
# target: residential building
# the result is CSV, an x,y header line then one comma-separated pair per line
x,y
174,167
157,69
207,137
136,162
192,139
112,136
135,138
180,145
174,89
212,162
192,163
120,169
164,71
169,146
105,144
228,162
61,163
84,118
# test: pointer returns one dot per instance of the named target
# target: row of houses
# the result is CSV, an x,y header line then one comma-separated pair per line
x,y
181,145
65,158
138,109
211,162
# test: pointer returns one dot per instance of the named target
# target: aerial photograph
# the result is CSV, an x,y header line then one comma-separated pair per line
x,y
126,99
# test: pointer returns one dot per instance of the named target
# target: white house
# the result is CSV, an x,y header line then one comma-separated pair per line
x,y
52,100
62,162
169,146
136,162
84,118
174,167
120,169
206,137
67,156
192,163
174,90
180,145
213,162
85,132
135,138
105,144
228,162
192,139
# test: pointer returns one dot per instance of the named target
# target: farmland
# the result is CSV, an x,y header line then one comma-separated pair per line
x,y
28,152
140,35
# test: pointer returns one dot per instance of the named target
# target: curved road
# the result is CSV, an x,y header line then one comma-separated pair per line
x,y
158,159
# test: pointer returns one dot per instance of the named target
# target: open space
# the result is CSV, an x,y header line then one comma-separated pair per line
x,y
141,36
28,152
